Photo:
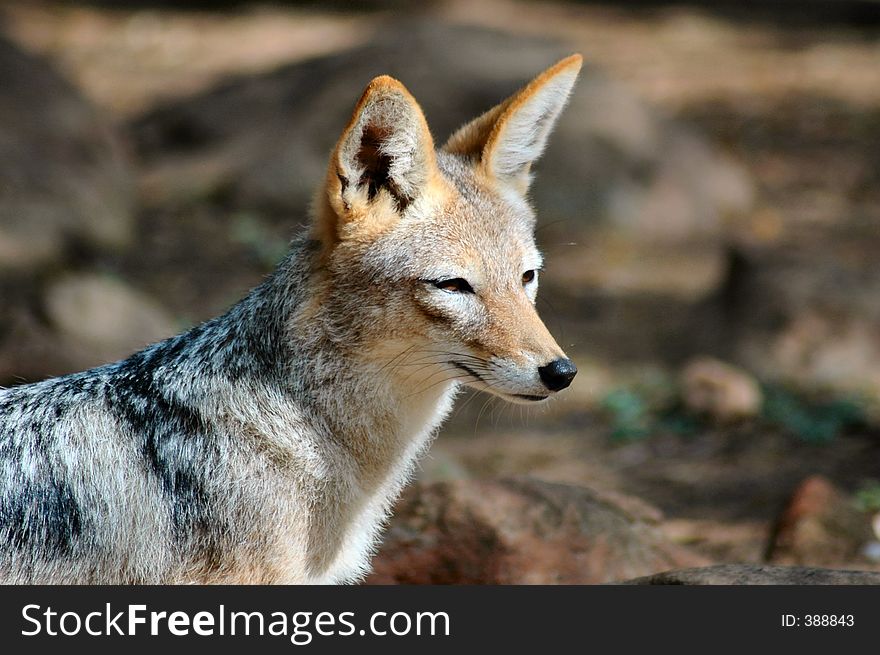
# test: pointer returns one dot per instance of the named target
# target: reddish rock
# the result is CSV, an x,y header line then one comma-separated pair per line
x,y
820,526
521,531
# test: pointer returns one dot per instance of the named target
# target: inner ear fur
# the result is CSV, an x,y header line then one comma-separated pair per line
x,y
505,141
384,159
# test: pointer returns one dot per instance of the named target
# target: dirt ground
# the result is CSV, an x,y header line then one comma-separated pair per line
x,y
797,105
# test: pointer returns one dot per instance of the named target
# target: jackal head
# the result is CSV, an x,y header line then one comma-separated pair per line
x,y
430,255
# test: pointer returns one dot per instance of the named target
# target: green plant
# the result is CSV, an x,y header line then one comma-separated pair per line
x,y
640,409
814,422
868,496
628,413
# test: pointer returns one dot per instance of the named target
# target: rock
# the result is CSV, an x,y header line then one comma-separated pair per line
x,y
871,551
508,453
830,350
29,350
613,162
820,526
64,179
720,541
753,574
98,319
520,531
73,322
805,312
719,390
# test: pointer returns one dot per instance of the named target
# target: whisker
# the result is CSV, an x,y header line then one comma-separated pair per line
x,y
419,370
480,415
495,416
399,355
399,361
544,226
466,403
430,386
458,354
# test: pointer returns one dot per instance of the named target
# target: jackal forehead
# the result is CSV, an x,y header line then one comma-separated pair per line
x,y
486,198
469,227
478,222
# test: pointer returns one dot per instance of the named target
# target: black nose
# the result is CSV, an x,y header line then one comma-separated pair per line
x,y
558,374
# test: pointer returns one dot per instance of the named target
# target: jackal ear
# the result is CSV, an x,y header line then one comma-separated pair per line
x,y
507,139
385,158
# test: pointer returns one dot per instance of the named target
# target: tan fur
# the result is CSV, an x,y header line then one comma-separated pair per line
x,y
480,138
352,213
463,218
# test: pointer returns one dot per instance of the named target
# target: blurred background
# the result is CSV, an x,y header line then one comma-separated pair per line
x,y
709,209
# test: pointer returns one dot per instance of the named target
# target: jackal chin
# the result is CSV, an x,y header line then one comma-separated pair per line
x,y
486,380
514,397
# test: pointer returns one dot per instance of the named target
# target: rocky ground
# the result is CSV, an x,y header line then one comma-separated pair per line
x,y
708,206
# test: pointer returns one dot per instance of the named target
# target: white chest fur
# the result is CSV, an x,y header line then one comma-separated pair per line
x,y
418,425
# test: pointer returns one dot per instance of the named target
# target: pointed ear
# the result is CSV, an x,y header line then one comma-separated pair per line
x,y
507,139
384,160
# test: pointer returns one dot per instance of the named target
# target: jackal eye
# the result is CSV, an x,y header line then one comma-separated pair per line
x,y
528,276
454,285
